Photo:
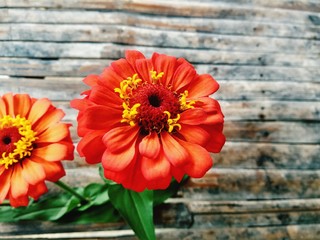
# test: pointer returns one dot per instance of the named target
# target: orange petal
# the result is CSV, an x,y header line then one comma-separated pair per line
x,y
144,66
8,99
33,172
54,133
53,170
52,152
155,168
120,137
199,161
19,186
110,79
38,109
193,116
150,145
165,64
208,104
48,120
22,103
5,184
101,117
203,85
120,160
91,80
183,76
194,134
3,109
173,151
37,190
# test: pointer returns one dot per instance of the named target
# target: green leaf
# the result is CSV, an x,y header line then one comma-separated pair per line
x,y
159,196
6,214
136,208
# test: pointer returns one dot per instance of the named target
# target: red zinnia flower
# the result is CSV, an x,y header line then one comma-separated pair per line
x,y
32,144
147,120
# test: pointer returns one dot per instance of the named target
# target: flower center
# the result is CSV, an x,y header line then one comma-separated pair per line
x,y
151,105
16,140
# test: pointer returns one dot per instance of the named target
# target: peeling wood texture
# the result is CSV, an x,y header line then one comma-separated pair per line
x,y
265,183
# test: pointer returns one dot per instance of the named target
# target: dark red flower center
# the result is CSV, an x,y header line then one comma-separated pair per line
x,y
8,136
154,100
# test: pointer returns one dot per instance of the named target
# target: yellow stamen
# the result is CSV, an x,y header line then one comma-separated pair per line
x,y
127,85
184,103
172,122
24,146
129,114
155,77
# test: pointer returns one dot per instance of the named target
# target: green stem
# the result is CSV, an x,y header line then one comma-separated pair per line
x,y
72,191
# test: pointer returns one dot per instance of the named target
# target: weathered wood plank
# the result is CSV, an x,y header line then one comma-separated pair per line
x,y
177,8
217,26
23,67
277,132
227,184
153,37
310,232
268,156
49,50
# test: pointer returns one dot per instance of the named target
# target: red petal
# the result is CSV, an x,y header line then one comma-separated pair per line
x,y
110,79
119,138
33,172
132,56
22,103
199,161
202,86
161,183
217,139
165,64
173,151
53,170
177,173
91,80
38,109
155,168
103,96
101,117
120,160
193,116
123,68
183,76
143,67
37,190
22,201
92,147
150,145
19,186
208,104
194,134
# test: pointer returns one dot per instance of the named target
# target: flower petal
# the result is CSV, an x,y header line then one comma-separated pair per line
x,y
35,191
92,147
103,96
120,138
22,103
193,116
110,79
101,117
19,186
38,109
202,86
48,120
173,151
150,145
52,152
54,133
155,168
183,76
5,184
132,56
33,172
123,68
53,170
21,201
143,67
3,109
165,64
199,161
91,80
8,99
194,134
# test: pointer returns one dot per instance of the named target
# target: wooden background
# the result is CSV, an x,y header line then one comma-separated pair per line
x,y
266,56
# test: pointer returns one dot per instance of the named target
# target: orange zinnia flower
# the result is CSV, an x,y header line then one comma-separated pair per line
x,y
32,144
148,120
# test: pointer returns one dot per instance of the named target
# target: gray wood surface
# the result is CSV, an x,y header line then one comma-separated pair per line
x,y
265,184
